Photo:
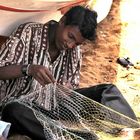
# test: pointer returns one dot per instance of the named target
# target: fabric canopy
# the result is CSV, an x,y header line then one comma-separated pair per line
x,y
15,12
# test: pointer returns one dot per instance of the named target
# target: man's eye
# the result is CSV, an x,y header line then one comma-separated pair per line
x,y
70,36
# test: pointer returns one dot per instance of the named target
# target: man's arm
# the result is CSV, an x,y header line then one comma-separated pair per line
x,y
12,58
38,72
10,72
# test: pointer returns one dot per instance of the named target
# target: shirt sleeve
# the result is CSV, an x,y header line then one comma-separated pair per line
x,y
16,48
12,50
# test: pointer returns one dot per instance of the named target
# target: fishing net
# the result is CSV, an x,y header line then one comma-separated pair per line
x,y
72,116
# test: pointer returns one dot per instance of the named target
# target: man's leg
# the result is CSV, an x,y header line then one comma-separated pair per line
x,y
110,96
23,121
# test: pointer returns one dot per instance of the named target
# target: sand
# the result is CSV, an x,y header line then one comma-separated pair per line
x,y
116,37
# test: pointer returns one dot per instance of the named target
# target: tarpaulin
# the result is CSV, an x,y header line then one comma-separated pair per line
x,y
15,12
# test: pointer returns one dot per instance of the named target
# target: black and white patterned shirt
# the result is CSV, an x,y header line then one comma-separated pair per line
x,y
29,45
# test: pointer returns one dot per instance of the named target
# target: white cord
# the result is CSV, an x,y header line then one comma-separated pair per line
x,y
27,72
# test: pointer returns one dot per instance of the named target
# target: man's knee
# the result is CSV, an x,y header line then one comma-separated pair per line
x,y
11,110
111,88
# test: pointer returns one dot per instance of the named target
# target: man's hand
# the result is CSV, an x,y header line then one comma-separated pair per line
x,y
41,74
2,138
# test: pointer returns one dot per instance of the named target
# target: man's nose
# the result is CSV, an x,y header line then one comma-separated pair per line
x,y
71,44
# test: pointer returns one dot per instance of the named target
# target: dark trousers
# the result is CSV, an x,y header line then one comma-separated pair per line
x,y
24,121
110,96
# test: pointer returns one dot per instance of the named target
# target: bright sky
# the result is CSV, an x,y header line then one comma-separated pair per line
x,y
130,40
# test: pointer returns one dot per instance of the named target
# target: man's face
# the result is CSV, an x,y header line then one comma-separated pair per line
x,y
68,37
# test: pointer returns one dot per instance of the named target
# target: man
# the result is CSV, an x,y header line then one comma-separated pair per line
x,y
2,138
38,54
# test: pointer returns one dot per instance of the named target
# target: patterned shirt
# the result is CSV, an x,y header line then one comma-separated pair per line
x,y
29,45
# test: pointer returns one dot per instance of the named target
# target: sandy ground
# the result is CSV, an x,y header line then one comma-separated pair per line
x,y
117,36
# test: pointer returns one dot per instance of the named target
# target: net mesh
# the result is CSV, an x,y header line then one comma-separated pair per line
x,y
73,116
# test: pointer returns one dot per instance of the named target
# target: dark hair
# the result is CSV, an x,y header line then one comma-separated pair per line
x,y
85,19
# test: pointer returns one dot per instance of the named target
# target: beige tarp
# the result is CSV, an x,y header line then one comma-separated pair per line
x,y
11,17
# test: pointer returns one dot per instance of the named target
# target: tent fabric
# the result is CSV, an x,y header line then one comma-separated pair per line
x,y
15,12
51,6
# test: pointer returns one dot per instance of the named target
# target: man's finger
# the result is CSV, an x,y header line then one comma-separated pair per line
x,y
50,76
46,78
40,79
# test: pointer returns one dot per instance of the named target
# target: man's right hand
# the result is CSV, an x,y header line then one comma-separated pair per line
x,y
2,138
41,74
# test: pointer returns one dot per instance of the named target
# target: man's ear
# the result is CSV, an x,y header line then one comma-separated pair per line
x,y
62,20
